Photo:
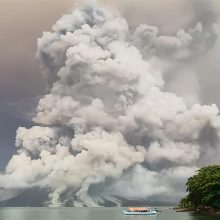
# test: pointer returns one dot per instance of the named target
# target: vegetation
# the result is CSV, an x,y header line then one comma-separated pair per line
x,y
203,189
185,203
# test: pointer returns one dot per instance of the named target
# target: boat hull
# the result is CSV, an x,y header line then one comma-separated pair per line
x,y
140,213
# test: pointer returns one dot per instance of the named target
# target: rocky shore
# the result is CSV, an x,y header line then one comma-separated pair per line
x,y
183,209
208,210
204,210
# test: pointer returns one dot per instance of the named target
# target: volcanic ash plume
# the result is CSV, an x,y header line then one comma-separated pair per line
x,y
108,129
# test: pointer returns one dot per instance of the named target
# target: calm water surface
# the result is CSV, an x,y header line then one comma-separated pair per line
x,y
90,214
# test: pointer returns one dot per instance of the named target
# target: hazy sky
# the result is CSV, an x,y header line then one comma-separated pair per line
x,y
22,22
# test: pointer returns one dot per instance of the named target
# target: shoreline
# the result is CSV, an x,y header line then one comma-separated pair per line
x,y
206,211
183,209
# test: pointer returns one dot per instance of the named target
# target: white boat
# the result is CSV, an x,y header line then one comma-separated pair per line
x,y
139,211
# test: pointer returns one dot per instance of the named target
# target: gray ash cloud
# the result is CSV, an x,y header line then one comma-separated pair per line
x,y
108,129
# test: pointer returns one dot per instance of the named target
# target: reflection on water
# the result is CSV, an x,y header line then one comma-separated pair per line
x,y
90,214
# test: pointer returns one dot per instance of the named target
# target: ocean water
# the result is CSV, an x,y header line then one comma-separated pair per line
x,y
91,214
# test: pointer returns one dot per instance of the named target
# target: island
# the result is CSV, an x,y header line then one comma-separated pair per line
x,y
203,192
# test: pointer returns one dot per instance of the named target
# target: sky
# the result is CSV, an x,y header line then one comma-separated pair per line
x,y
190,71
21,82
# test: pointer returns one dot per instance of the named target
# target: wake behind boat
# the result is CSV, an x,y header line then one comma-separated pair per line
x,y
139,211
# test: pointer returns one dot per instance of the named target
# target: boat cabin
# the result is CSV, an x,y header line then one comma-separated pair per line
x,y
138,209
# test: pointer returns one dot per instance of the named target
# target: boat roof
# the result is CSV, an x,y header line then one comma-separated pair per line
x,y
137,208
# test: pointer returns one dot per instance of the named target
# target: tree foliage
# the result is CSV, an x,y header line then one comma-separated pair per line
x,y
204,188
185,203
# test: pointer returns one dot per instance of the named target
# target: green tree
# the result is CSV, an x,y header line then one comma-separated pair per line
x,y
185,203
204,187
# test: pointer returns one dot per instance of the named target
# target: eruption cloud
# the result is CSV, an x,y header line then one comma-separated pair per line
x,y
107,129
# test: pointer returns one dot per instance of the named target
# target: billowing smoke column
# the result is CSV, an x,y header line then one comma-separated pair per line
x,y
108,129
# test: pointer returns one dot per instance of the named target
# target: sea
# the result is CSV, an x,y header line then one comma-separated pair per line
x,y
29,213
